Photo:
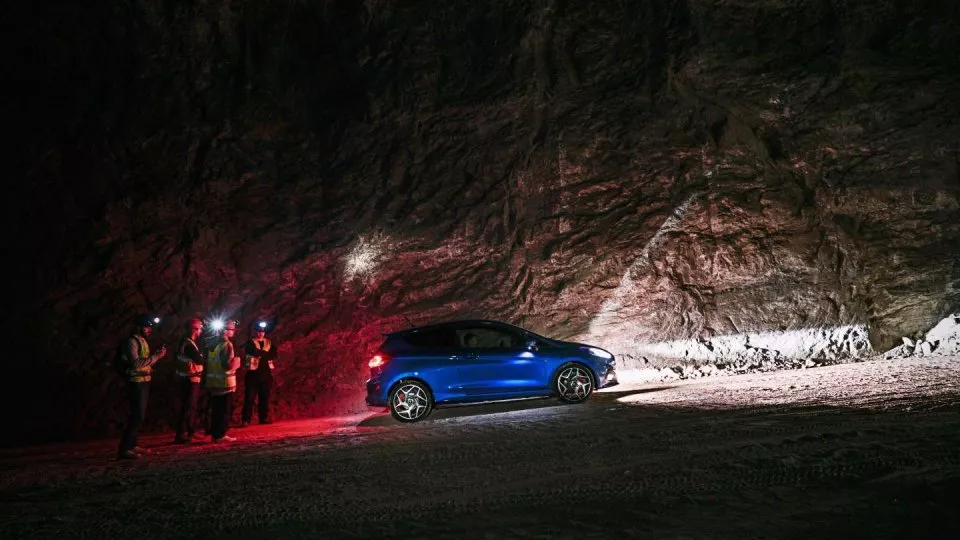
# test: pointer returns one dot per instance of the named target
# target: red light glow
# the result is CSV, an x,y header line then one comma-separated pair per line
x,y
377,361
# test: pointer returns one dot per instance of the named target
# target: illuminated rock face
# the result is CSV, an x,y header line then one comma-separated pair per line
x,y
942,340
632,174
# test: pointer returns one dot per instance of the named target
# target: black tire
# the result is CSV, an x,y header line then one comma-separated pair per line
x,y
570,371
416,396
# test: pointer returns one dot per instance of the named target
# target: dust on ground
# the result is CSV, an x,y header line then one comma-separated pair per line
x,y
864,450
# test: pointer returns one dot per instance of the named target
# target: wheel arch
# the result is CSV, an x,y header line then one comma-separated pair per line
x,y
578,362
411,378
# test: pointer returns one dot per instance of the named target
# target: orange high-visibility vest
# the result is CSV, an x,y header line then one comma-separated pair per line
x,y
185,366
252,362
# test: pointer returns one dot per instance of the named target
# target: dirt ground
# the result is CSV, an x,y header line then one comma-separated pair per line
x,y
866,450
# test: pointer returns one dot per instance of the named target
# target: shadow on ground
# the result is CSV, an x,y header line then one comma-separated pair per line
x,y
525,469
384,419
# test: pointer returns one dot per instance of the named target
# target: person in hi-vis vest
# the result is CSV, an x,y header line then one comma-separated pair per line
x,y
259,355
220,380
189,375
139,363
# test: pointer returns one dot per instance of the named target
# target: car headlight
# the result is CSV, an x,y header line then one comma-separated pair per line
x,y
599,352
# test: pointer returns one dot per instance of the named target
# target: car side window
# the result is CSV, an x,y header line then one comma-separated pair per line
x,y
543,344
436,338
488,338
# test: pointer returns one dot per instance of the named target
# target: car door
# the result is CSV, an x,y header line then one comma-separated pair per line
x,y
499,365
435,359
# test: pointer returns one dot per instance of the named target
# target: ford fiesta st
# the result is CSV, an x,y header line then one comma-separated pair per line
x,y
465,362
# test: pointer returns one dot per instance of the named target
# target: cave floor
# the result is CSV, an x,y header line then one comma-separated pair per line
x,y
865,450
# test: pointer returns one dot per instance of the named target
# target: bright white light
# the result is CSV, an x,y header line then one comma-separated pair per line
x,y
942,340
610,328
262,324
607,325
366,255
156,320
827,343
216,325
599,352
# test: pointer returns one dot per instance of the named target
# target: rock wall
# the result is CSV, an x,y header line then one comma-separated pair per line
x,y
628,173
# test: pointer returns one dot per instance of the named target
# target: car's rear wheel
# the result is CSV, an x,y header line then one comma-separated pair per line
x,y
573,383
410,401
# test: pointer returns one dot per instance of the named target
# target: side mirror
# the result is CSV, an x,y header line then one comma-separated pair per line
x,y
531,345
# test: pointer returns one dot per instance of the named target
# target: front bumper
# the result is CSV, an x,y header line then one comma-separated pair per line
x,y
609,379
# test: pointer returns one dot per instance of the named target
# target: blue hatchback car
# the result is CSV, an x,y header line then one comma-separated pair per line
x,y
464,362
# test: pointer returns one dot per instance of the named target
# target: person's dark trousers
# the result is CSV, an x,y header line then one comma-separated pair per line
x,y
263,396
203,408
138,393
189,394
257,385
220,414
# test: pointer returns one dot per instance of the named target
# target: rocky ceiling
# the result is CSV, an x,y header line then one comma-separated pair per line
x,y
616,171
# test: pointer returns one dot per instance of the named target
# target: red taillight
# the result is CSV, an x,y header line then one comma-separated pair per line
x,y
377,361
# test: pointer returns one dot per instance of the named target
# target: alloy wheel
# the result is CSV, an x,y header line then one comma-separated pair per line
x,y
574,384
410,402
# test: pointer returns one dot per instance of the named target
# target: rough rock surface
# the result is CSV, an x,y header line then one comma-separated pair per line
x,y
744,353
621,172
942,340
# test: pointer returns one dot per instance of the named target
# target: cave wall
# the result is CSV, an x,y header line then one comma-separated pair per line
x,y
619,172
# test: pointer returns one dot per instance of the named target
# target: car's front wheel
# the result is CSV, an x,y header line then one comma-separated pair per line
x,y
573,383
410,401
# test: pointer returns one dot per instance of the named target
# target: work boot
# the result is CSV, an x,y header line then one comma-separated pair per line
x,y
263,422
180,439
128,454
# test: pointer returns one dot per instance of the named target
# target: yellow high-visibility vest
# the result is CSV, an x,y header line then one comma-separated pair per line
x,y
215,376
142,374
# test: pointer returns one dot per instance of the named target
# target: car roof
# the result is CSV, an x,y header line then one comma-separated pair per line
x,y
455,324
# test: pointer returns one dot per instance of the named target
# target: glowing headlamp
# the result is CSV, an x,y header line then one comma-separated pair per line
x,y
216,325
262,325
156,320
599,352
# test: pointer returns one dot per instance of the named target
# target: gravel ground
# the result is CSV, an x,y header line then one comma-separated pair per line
x,y
865,450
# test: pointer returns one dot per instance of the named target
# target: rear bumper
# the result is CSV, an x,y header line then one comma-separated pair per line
x,y
374,397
